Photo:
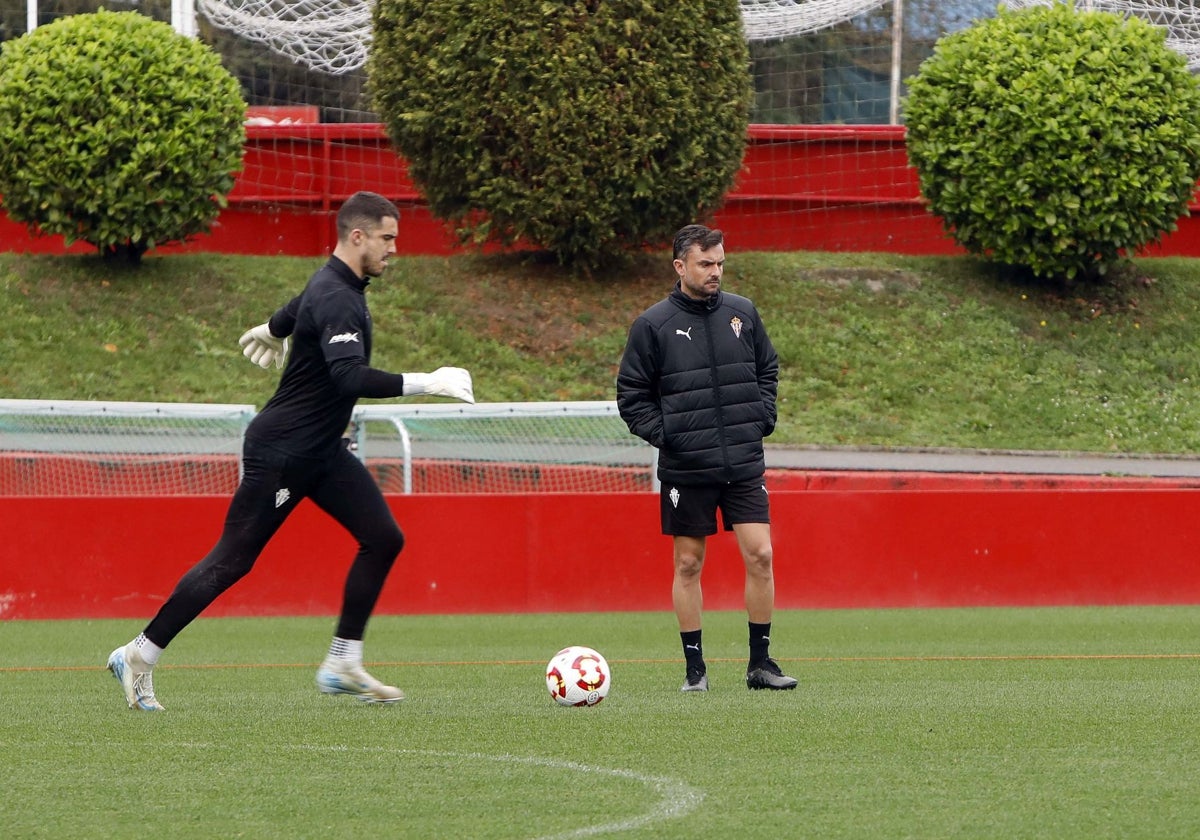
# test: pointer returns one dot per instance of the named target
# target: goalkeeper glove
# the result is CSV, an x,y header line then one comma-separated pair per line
x,y
443,382
262,348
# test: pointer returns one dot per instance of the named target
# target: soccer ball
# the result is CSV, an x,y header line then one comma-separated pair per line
x,y
578,676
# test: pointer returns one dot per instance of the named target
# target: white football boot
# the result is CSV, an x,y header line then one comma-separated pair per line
x,y
136,678
337,676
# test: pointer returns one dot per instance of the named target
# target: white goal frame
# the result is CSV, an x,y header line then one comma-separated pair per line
x,y
139,430
239,414
183,16
413,436
397,414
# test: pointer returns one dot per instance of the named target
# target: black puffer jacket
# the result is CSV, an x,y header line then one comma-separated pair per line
x,y
698,381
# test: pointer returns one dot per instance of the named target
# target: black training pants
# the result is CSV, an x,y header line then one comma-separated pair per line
x,y
272,485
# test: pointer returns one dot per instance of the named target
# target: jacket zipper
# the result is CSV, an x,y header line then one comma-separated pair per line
x,y
716,386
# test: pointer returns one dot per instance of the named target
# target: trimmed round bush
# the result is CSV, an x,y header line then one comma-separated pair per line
x,y
1058,140
117,131
579,127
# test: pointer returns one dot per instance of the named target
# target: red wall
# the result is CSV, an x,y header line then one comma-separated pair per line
x,y
119,557
49,474
832,188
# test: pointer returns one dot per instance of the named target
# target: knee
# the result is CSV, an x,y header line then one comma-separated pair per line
x,y
688,565
219,570
759,560
393,543
385,542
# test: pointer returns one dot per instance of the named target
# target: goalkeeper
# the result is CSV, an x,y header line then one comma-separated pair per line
x,y
295,449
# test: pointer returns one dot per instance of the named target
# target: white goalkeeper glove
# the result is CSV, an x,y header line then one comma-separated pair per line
x,y
443,382
262,348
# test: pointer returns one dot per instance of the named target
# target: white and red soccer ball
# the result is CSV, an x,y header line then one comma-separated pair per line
x,y
578,676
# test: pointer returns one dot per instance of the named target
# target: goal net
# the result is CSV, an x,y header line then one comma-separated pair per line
x,y
330,36
77,448
80,448
333,36
550,447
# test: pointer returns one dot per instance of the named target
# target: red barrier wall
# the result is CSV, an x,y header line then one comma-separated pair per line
x,y
814,187
119,557
115,474
51,474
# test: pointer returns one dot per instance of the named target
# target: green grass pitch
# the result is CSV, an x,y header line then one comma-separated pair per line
x,y
984,723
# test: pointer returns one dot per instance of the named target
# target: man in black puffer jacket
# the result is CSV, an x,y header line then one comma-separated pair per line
x,y
698,381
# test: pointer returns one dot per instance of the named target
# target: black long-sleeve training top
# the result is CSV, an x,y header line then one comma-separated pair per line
x,y
328,368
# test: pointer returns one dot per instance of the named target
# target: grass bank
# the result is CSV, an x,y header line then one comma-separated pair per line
x,y
877,350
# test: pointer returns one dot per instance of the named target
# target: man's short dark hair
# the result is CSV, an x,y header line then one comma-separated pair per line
x,y
362,211
696,235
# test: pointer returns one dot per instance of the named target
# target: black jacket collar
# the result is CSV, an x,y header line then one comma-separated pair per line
x,y
691,304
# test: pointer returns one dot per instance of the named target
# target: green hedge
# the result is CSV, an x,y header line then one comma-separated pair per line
x,y
1058,140
579,127
117,131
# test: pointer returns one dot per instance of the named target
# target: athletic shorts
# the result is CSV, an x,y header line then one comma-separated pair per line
x,y
691,510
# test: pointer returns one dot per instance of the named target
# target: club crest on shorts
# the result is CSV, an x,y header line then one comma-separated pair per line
x,y
735,323
674,497
281,496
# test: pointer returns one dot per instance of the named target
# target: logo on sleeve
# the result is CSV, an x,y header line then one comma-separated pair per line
x,y
344,338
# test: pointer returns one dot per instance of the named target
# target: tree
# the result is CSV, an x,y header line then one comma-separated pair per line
x,y
117,131
1057,140
580,127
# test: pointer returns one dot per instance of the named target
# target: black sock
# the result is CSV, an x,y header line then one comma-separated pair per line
x,y
760,641
693,650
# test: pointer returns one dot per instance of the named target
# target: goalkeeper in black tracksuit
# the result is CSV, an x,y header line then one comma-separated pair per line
x,y
698,381
295,449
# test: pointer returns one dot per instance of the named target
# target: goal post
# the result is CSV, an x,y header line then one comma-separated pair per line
x,y
78,447
82,448
183,16
580,446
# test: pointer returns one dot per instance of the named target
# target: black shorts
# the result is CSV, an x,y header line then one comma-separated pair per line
x,y
691,510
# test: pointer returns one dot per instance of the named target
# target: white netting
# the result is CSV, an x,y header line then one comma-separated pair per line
x,y
333,36
1180,18
765,20
80,448
536,447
